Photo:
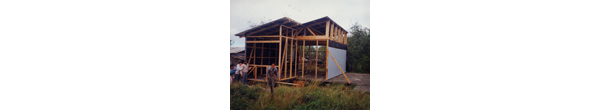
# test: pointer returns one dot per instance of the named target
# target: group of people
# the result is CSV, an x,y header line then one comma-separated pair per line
x,y
239,73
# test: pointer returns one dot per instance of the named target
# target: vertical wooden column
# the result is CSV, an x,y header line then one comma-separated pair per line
x,y
326,60
327,30
285,48
291,56
316,58
303,47
296,59
336,33
331,30
279,63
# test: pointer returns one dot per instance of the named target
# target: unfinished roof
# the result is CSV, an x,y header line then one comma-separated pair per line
x,y
319,24
272,28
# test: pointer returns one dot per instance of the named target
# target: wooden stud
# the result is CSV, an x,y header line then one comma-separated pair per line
x,y
291,56
303,49
336,63
279,63
295,57
317,59
311,32
284,58
332,31
326,61
327,29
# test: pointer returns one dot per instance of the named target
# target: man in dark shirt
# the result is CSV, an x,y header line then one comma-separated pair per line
x,y
272,75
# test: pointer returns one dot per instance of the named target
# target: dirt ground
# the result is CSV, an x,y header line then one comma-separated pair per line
x,y
362,81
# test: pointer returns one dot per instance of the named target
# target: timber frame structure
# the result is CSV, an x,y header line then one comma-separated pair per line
x,y
297,49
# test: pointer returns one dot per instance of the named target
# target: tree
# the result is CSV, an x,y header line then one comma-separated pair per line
x,y
359,49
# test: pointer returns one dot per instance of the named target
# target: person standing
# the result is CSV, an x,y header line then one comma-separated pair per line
x,y
231,72
245,72
272,75
238,72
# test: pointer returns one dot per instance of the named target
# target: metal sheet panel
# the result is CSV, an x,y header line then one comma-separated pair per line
x,y
340,57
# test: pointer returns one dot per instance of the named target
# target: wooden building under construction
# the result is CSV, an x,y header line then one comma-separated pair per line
x,y
312,50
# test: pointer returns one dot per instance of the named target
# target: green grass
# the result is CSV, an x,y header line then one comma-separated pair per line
x,y
313,96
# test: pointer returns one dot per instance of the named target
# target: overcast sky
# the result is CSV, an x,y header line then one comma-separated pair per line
x,y
344,12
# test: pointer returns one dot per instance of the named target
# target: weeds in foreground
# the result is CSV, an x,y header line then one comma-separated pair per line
x,y
313,96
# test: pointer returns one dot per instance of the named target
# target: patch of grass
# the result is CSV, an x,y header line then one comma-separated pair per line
x,y
313,96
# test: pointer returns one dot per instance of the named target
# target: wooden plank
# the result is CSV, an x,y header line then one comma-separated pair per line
x,y
326,61
291,56
267,41
316,31
284,58
336,63
315,24
279,62
258,80
299,32
316,58
327,28
260,30
251,51
303,47
254,62
296,60
331,33
311,32
288,27
264,36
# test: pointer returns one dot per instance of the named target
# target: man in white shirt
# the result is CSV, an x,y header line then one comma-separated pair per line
x,y
245,72
238,71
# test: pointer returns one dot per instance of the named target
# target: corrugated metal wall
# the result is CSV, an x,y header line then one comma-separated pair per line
x,y
340,57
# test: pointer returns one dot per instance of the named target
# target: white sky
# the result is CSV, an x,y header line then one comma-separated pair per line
x,y
344,12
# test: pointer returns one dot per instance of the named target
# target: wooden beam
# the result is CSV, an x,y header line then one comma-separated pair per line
x,y
331,33
296,59
336,63
284,58
251,51
288,27
327,28
299,32
291,56
337,35
316,31
316,58
260,30
268,41
265,36
346,38
279,62
315,23
326,61
303,49
311,32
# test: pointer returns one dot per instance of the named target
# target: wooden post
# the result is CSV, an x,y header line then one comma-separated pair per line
x,y
327,30
337,34
284,58
326,61
303,49
279,63
331,30
296,59
291,56
316,58
336,63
